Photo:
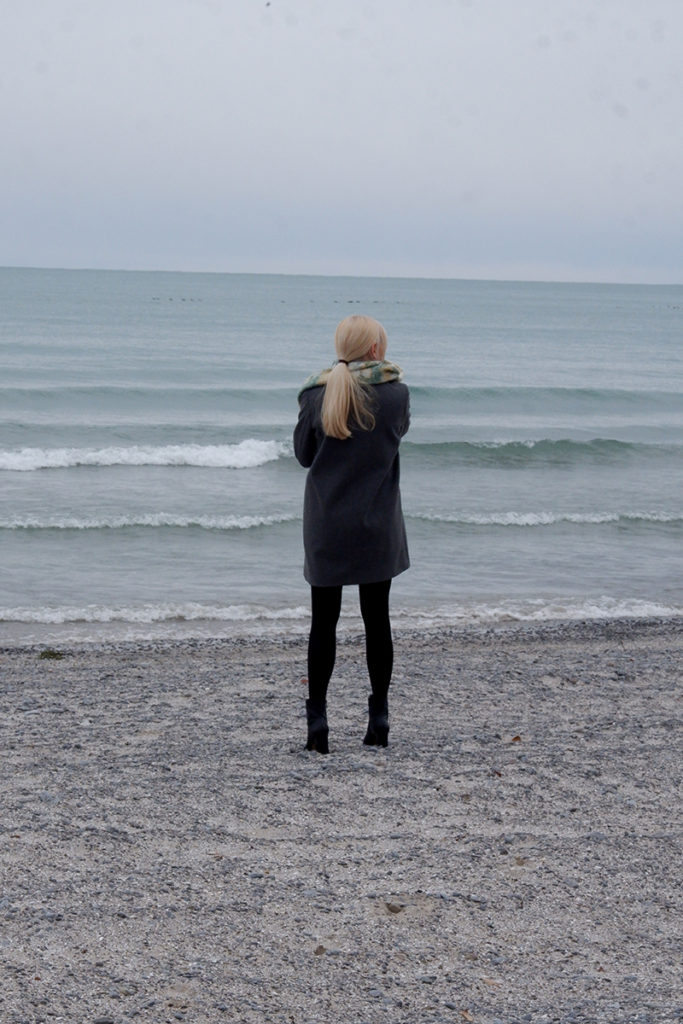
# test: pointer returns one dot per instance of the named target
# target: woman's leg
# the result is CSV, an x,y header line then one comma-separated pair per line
x,y
379,648
322,640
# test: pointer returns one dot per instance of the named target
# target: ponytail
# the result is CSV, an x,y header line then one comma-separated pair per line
x,y
345,402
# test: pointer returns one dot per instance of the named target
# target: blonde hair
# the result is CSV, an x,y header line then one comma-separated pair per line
x,y
346,399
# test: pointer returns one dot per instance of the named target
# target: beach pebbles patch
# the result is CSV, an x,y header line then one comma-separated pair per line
x,y
172,855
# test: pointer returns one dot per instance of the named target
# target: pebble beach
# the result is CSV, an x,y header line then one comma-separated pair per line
x,y
170,852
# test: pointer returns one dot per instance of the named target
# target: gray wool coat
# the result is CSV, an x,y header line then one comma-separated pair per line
x,y
353,522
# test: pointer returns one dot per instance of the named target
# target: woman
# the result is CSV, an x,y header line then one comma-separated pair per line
x,y
351,421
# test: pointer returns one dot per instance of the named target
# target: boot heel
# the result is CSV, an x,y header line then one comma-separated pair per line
x,y
377,736
378,723
316,718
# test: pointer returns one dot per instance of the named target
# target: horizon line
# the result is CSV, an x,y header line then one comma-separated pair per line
x,y
380,277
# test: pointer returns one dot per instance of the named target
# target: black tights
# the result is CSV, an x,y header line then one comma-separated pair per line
x,y
322,642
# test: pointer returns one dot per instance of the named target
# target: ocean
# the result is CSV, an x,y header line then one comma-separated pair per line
x,y
148,486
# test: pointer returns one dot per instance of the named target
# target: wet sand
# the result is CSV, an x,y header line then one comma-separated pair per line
x,y
170,852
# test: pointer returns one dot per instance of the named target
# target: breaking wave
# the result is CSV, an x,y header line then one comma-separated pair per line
x,y
207,619
245,455
152,521
150,613
159,520
544,450
531,519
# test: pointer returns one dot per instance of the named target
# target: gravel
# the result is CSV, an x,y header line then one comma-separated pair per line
x,y
170,852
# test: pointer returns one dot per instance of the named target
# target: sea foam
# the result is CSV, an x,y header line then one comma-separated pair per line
x,y
244,455
148,614
254,615
542,518
150,521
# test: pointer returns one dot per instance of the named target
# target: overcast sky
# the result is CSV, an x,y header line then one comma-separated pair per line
x,y
518,139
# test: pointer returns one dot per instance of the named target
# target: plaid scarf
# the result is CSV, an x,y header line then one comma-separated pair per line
x,y
372,371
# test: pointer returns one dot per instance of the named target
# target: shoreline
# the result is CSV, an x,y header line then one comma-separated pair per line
x,y
210,632
170,851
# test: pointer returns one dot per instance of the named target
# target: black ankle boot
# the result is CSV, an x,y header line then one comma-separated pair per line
x,y
316,717
378,722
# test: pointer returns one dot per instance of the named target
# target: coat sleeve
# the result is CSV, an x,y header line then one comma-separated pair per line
x,y
406,418
305,441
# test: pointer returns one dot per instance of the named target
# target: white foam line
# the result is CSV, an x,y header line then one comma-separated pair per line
x,y
536,610
148,614
522,610
155,520
246,522
527,519
244,455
